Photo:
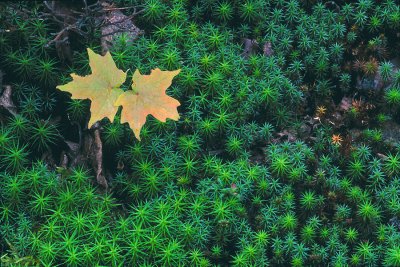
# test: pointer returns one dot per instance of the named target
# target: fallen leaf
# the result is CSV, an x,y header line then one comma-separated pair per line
x,y
345,104
114,25
250,47
148,97
101,87
6,101
267,49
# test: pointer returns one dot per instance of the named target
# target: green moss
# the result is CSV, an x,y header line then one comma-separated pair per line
x,y
233,182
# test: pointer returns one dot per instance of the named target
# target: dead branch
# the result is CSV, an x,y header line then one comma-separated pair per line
x,y
83,19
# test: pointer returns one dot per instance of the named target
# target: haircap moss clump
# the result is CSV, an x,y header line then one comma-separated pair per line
x,y
286,153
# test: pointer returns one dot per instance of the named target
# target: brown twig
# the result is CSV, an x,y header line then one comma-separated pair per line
x,y
59,34
55,13
120,8
98,146
95,11
122,20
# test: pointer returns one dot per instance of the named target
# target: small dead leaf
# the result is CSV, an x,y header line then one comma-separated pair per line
x,y
63,160
120,165
267,49
6,101
250,47
285,134
345,104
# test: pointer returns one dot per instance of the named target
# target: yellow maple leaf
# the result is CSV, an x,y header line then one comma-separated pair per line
x,y
101,87
148,97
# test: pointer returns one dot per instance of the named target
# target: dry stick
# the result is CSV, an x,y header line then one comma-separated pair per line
x,y
94,5
54,13
59,34
69,26
79,133
120,8
104,24
43,14
88,10
74,27
111,33
99,159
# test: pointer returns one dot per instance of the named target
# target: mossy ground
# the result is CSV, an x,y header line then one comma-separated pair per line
x,y
286,152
